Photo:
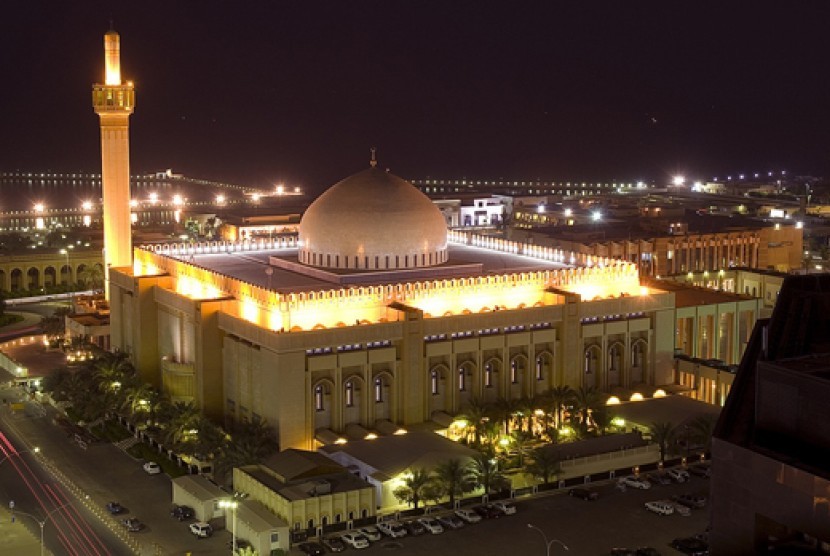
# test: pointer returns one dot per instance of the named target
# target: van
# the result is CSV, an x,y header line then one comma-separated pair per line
x,y
661,507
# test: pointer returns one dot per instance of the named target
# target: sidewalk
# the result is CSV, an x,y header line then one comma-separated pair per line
x,y
17,536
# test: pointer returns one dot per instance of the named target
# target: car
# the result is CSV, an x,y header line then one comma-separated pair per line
x,y
506,507
690,546
635,482
468,515
355,539
660,507
182,512
678,475
312,548
691,500
659,479
583,493
700,470
682,509
152,468
431,524
201,529
333,543
450,521
115,508
488,511
647,551
414,528
370,532
392,529
132,524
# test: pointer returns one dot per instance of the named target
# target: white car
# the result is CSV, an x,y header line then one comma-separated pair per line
x,y
661,507
201,529
152,468
680,509
392,529
370,532
635,482
468,515
678,475
506,507
431,525
355,539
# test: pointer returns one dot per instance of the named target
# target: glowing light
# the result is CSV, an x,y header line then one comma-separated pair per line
x,y
133,203
280,189
799,225
643,290
370,436
39,207
678,180
618,422
255,197
596,216
87,220
400,432
340,440
177,200
659,393
613,400
636,397
565,431
541,208
504,442
569,212
86,205
154,197
220,199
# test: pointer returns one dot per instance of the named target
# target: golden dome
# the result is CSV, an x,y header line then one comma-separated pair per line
x,y
373,220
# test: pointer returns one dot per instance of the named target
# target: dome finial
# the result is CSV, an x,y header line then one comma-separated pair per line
x,y
373,162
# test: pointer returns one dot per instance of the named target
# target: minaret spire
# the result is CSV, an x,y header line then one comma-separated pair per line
x,y
373,162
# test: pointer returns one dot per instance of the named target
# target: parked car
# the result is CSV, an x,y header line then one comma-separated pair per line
x,y
355,539
201,529
488,511
450,521
152,468
700,470
636,482
132,524
115,508
691,500
312,548
393,529
678,475
647,551
584,493
661,507
682,509
431,525
182,512
691,546
506,507
370,532
334,544
414,528
659,478
468,515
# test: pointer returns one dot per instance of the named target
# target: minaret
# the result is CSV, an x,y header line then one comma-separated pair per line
x,y
113,102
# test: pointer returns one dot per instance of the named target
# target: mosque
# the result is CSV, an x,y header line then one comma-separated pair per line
x,y
376,318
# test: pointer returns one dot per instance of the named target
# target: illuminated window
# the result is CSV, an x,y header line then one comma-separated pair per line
x,y
462,380
350,394
488,376
433,379
514,378
539,369
318,398
378,390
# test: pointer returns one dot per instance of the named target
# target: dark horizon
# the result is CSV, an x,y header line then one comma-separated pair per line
x,y
298,94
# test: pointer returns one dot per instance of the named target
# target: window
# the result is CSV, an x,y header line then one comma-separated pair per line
x,y
318,398
350,394
378,390
275,537
514,375
539,368
488,376
462,380
433,377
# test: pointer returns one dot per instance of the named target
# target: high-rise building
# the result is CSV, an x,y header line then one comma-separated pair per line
x,y
114,101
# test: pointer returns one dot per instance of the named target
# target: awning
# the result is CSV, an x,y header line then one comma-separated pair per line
x,y
356,432
442,418
326,436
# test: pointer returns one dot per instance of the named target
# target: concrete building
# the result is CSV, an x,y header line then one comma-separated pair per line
x,y
771,448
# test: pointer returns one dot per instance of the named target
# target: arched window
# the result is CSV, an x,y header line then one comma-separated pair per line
x,y
462,380
514,375
488,376
539,369
350,394
378,390
613,354
318,398
590,360
311,523
433,380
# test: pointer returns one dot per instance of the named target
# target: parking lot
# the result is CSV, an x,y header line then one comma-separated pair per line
x,y
615,519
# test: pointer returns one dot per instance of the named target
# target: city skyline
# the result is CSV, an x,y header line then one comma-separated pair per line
x,y
297,94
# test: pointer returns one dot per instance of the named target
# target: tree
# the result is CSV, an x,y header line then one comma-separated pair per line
x,y
455,477
414,484
586,400
521,442
503,410
663,434
92,276
544,464
701,428
487,473
560,398
138,401
476,414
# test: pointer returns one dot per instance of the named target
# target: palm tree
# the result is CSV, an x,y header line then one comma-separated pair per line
x,y
414,485
476,413
137,400
521,441
586,401
560,398
524,412
503,411
92,276
177,421
487,473
663,434
544,464
701,428
455,477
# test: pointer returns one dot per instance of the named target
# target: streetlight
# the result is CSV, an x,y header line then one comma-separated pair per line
x,y
232,504
40,522
550,542
34,450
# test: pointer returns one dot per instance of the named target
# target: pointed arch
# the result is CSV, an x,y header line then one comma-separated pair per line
x,y
615,363
591,360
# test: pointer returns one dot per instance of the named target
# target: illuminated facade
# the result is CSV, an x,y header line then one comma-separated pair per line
x,y
114,101
249,332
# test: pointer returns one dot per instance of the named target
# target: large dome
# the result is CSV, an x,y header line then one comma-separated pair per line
x,y
373,220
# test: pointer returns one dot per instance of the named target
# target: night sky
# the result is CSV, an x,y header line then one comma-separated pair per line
x,y
263,92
